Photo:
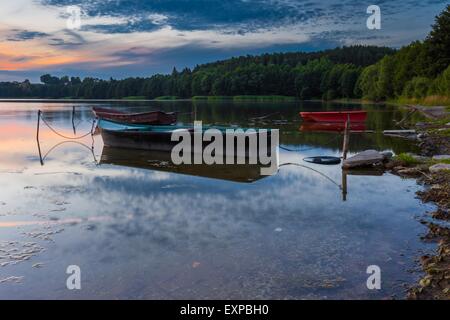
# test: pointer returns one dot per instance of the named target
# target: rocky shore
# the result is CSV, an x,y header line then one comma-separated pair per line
x,y
431,168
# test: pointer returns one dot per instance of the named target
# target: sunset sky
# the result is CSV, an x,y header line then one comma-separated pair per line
x,y
120,38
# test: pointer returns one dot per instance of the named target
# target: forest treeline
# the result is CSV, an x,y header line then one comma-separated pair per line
x,y
287,74
418,70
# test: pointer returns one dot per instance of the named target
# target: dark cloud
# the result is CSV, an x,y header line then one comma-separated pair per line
x,y
195,14
24,35
129,27
73,39
327,23
234,16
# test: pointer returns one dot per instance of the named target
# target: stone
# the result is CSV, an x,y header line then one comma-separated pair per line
x,y
387,155
365,158
439,167
442,157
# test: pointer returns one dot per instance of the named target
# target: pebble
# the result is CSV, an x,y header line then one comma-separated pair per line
x,y
439,167
441,157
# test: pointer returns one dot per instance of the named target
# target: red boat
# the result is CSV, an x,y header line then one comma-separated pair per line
x,y
335,116
152,117
331,127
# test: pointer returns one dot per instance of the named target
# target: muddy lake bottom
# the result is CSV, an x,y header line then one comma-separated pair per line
x,y
140,230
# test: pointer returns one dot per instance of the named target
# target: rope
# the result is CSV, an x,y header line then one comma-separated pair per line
x,y
306,167
91,149
63,136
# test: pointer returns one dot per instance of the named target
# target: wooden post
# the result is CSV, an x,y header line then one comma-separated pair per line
x,y
344,185
38,125
346,138
37,137
73,121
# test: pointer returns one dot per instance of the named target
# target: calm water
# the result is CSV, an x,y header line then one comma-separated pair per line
x,y
140,229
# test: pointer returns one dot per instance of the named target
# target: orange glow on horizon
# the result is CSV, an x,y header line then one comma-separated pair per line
x,y
21,56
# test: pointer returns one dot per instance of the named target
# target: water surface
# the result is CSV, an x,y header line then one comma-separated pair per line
x,y
141,230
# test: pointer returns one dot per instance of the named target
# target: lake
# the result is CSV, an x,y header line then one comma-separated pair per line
x,y
139,229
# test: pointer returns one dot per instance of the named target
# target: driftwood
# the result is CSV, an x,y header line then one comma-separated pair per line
x,y
408,134
414,110
399,131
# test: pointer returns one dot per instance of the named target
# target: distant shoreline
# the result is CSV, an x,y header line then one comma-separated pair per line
x,y
168,99
222,99
83,100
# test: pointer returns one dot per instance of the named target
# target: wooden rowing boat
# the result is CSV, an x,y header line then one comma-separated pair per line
x,y
335,116
152,117
159,138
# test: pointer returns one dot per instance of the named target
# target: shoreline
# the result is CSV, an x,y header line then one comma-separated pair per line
x,y
228,99
433,173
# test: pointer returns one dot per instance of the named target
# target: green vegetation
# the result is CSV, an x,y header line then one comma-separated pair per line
x,y
278,76
417,73
263,98
245,98
406,159
446,161
211,98
135,98
432,100
167,98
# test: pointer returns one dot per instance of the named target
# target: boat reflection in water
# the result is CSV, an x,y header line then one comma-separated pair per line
x,y
331,127
161,161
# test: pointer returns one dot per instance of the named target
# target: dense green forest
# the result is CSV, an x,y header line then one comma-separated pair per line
x,y
286,74
418,70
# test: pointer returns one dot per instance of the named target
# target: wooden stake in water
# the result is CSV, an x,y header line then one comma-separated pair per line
x,y
73,121
37,137
344,185
346,138
38,125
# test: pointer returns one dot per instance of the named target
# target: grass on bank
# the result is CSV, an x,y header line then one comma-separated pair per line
x,y
135,98
434,100
211,98
167,98
408,160
245,98
265,98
